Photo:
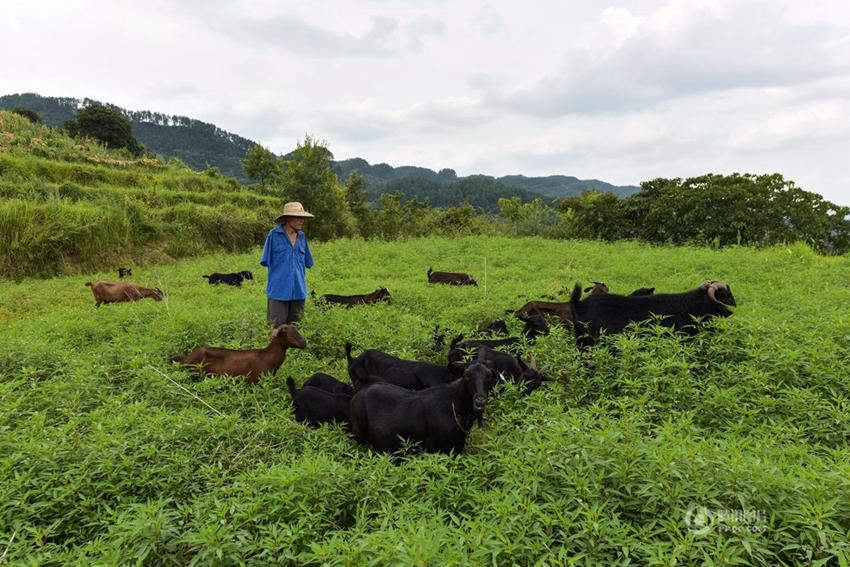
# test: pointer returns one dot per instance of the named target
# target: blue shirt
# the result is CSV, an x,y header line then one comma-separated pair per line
x,y
287,279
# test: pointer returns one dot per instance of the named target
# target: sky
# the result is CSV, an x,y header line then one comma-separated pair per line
x,y
622,91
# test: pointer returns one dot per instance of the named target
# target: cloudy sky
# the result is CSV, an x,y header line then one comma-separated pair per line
x,y
622,91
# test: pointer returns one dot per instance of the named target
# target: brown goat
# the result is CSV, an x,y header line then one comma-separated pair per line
x,y
597,288
109,291
249,363
450,278
561,311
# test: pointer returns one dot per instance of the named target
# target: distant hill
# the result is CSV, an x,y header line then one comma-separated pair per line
x,y
200,145
564,186
555,186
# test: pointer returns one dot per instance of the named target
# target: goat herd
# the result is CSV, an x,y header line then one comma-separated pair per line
x,y
391,401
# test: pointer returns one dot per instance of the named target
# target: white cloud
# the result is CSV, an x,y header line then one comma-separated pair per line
x,y
624,92
626,61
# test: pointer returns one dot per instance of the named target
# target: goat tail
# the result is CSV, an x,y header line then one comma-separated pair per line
x,y
429,271
576,295
348,353
89,284
205,277
290,383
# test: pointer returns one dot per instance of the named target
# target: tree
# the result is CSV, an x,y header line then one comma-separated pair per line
x,y
29,114
530,218
104,124
735,209
356,196
396,218
593,215
307,177
261,164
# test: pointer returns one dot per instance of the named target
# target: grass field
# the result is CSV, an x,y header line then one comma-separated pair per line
x,y
728,448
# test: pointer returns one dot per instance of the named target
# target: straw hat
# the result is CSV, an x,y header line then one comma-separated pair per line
x,y
293,209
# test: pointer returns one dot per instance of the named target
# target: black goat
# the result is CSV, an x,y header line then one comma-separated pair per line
x,y
535,326
234,279
613,313
380,294
329,384
437,419
497,327
316,406
450,278
503,364
458,351
125,272
375,366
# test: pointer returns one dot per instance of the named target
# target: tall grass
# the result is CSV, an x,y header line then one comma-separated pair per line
x,y
110,455
69,205
58,236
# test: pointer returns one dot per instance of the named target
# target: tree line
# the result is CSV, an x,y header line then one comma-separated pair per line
x,y
716,210
713,210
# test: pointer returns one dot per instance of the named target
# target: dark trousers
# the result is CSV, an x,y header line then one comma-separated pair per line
x,y
284,312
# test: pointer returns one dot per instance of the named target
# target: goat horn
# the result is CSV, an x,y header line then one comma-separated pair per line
x,y
531,362
712,289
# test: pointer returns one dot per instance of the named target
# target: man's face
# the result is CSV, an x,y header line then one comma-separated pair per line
x,y
295,222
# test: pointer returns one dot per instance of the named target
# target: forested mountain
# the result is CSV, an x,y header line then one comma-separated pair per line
x,y
480,191
564,186
201,145
380,176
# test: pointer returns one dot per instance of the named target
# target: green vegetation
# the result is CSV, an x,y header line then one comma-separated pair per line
x,y
71,204
29,114
105,125
110,455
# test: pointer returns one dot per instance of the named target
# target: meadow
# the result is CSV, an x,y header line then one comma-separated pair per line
x,y
729,448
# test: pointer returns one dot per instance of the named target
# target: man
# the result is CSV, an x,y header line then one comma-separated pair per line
x,y
286,254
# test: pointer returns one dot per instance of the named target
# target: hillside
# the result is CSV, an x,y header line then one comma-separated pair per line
x,y
68,205
198,144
